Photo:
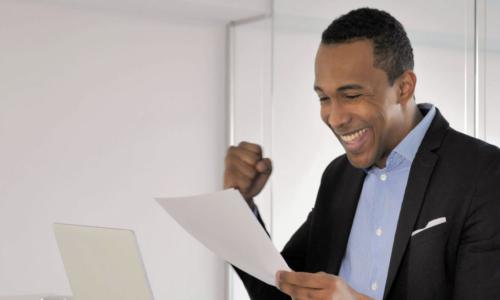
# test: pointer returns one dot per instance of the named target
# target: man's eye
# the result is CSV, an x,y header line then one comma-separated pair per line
x,y
352,96
323,99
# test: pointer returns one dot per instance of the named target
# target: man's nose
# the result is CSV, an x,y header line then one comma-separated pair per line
x,y
338,116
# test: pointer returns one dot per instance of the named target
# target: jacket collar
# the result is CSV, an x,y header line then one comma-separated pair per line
x,y
418,180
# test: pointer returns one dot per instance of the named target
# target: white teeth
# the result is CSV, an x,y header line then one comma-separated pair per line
x,y
353,136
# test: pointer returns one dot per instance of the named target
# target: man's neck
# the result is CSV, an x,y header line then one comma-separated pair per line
x,y
414,117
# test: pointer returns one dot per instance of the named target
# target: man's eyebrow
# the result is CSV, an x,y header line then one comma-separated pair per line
x,y
349,87
342,88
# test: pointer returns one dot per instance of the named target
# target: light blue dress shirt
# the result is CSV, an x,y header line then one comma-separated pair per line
x,y
366,261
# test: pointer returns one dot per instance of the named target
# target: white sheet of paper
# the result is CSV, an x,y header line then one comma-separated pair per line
x,y
224,223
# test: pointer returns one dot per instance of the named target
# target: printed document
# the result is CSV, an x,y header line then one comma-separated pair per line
x,y
224,223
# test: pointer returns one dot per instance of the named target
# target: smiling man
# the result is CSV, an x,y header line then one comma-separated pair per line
x,y
367,111
411,211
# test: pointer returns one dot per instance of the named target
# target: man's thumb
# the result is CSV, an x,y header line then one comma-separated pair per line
x,y
265,166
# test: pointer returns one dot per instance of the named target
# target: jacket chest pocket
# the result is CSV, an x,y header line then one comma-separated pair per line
x,y
427,263
439,232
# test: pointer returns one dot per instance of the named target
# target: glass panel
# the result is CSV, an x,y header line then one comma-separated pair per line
x,y
250,108
492,72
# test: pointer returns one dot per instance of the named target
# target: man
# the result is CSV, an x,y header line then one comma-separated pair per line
x,y
411,211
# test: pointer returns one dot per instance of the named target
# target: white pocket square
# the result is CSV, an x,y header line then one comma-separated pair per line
x,y
430,224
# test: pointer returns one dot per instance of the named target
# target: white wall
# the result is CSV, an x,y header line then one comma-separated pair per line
x,y
99,113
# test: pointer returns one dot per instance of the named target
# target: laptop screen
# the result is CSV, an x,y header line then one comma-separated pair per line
x,y
102,263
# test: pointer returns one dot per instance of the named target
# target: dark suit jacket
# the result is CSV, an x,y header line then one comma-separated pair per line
x,y
453,176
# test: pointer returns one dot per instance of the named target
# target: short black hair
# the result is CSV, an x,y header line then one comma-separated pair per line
x,y
392,49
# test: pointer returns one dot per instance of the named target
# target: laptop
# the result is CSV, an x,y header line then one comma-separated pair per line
x,y
102,263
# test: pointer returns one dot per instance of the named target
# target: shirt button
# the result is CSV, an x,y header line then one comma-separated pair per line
x,y
378,232
383,177
374,286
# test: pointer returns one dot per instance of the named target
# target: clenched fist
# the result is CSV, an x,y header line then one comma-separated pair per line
x,y
246,169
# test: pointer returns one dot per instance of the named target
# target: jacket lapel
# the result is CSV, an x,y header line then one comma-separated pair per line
x,y
420,173
418,180
343,210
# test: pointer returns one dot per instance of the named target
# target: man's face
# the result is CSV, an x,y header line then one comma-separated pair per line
x,y
358,103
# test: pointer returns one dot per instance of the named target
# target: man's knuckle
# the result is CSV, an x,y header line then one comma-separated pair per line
x,y
230,150
252,172
230,156
248,158
335,283
255,148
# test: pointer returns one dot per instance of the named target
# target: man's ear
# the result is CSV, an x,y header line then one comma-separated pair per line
x,y
406,84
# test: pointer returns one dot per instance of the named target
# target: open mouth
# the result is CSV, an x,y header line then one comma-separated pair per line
x,y
354,141
353,136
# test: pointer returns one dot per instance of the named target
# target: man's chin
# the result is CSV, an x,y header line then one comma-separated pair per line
x,y
359,161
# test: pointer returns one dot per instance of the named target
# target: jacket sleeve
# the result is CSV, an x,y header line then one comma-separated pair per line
x,y
294,254
477,273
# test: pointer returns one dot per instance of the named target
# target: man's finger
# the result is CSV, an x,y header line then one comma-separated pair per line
x,y
299,292
245,155
244,168
251,147
303,279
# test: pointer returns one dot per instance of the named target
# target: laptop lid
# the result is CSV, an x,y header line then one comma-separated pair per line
x,y
102,263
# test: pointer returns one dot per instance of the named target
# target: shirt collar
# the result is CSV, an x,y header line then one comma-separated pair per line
x,y
408,147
